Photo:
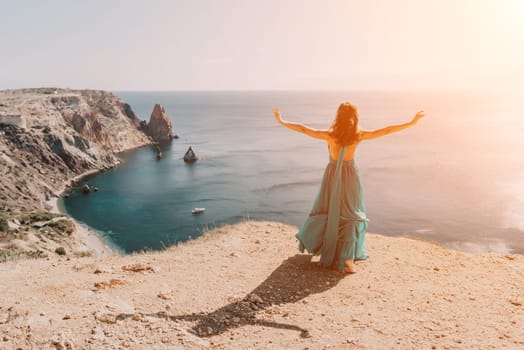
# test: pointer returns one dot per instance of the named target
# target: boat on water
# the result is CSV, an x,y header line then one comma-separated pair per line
x,y
190,156
197,211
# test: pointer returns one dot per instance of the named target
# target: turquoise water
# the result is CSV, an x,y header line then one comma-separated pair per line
x,y
456,178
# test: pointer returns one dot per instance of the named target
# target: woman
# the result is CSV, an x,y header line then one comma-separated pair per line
x,y
337,222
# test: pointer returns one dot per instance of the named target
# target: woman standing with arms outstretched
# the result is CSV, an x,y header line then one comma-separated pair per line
x,y
337,222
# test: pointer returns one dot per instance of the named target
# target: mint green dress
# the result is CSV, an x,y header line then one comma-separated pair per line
x,y
337,222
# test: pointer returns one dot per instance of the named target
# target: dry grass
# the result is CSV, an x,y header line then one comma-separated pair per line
x,y
13,255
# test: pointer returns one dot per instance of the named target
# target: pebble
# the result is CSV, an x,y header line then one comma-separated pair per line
x,y
163,296
105,318
254,298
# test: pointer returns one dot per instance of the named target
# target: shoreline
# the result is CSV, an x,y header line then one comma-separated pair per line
x,y
88,237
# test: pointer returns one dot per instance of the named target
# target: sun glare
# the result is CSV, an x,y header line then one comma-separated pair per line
x,y
517,5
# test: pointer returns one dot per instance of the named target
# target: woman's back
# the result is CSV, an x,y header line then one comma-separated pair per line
x,y
334,149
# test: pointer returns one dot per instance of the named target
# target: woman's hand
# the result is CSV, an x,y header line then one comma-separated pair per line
x,y
419,115
278,117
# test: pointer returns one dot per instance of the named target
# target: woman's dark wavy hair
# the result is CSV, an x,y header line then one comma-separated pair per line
x,y
344,127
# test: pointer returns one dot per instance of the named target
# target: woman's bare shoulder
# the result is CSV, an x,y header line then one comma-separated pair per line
x,y
362,134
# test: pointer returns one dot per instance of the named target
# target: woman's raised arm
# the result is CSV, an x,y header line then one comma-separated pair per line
x,y
315,133
368,135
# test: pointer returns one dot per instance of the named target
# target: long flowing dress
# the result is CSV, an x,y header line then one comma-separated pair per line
x,y
337,222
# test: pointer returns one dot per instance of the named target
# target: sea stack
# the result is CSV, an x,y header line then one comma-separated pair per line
x,y
190,156
159,127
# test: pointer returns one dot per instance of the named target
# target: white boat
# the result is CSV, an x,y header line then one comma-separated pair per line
x,y
197,211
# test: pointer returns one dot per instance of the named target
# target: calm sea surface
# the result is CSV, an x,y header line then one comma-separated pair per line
x,y
456,178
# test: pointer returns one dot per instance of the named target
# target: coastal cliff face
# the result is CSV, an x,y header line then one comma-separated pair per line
x,y
49,136
68,132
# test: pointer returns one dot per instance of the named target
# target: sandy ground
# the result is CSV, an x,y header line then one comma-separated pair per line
x,y
246,287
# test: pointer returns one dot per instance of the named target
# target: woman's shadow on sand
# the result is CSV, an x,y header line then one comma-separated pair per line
x,y
296,278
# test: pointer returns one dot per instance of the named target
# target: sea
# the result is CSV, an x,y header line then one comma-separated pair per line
x,y
456,178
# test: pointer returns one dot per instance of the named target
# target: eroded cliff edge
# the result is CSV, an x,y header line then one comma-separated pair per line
x,y
49,136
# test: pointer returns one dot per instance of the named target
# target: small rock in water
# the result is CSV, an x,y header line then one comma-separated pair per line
x,y
86,189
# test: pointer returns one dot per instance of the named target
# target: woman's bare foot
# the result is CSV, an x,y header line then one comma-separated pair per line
x,y
349,266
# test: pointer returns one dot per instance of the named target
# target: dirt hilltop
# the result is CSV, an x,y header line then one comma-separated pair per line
x,y
245,287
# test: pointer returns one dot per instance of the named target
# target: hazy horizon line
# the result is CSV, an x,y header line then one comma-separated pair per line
x,y
320,90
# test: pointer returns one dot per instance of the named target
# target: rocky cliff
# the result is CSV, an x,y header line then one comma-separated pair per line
x,y
49,136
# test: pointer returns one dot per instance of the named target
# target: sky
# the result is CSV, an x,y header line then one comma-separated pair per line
x,y
262,45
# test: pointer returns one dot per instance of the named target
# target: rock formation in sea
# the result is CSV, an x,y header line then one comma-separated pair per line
x,y
190,156
48,136
159,127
